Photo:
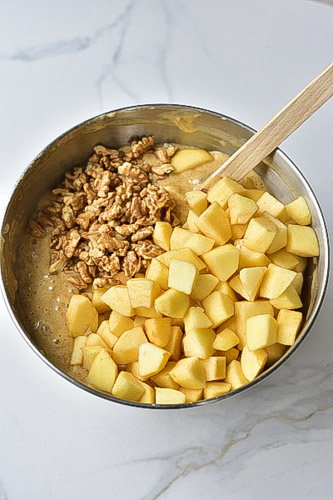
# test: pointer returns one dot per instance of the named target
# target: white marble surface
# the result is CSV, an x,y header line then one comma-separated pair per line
x,y
62,62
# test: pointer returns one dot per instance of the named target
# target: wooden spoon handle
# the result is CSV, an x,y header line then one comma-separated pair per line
x,y
277,129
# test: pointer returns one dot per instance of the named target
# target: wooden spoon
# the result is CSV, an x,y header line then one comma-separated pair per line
x,y
263,142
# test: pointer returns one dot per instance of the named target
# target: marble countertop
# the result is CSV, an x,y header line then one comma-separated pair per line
x,y
63,62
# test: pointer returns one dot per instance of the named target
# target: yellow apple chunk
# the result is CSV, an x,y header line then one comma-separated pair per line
x,y
225,340
104,332
185,254
237,285
142,292
95,339
189,372
118,324
159,273
173,303
126,349
253,194
161,235
189,158
251,279
191,220
253,362
289,299
103,372
149,394
298,283
196,318
241,209
218,307
230,354
289,323
117,299
250,258
274,353
298,210
215,389
276,281
224,287
89,353
174,344
222,261
284,259
96,301
302,240
235,376
152,359
260,234
148,312
127,387
158,330
268,203
215,367
191,395
163,378
222,190
197,201
261,331
77,355
199,343
182,276
182,238
281,237
81,316
166,396
204,285
133,368
245,310
214,223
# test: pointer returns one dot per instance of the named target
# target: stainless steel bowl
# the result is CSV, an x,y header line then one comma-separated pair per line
x,y
168,123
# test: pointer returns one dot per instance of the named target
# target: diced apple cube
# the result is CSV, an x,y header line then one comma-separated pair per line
x,y
251,279
197,200
260,234
302,240
166,396
142,292
250,258
224,287
199,343
191,220
222,190
235,376
185,254
215,389
162,234
191,395
182,276
103,372
196,318
127,387
218,307
189,372
185,159
181,238
252,362
298,210
298,283
284,259
268,203
158,330
149,394
302,263
289,299
174,344
163,378
274,353
253,194
238,231
173,303
215,367
241,209
117,299
148,312
204,285
214,223
139,321
276,281
152,359
222,261
104,332
126,349
159,273
77,355
289,323
89,354
118,324
281,237
245,310
261,331
96,301
81,316
225,340
95,339
133,368
230,354
237,285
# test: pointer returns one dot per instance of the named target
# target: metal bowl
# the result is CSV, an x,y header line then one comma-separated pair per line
x,y
168,123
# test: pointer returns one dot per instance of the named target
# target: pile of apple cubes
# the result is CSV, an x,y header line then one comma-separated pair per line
x,y
211,312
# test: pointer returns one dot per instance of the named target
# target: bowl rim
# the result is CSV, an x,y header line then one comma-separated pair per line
x,y
266,373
